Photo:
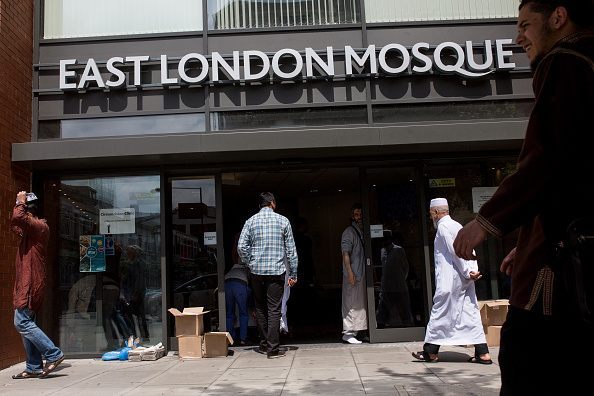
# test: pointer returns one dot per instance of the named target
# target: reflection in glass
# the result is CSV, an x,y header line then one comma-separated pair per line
x,y
195,278
438,10
452,111
250,14
396,248
288,118
109,284
136,125
394,308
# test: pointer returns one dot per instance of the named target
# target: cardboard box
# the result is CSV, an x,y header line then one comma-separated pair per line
x,y
190,347
216,343
189,322
493,333
493,312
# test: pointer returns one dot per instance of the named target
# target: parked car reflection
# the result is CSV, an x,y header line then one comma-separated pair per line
x,y
201,291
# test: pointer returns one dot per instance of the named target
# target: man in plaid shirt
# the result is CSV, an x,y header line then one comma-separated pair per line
x,y
265,241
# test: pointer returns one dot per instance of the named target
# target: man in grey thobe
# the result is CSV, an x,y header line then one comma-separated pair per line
x,y
354,311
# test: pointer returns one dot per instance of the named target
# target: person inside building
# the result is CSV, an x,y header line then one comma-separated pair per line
x,y
549,189
394,302
354,307
455,318
237,296
29,286
265,240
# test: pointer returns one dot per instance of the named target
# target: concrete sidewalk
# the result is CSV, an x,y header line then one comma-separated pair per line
x,y
323,369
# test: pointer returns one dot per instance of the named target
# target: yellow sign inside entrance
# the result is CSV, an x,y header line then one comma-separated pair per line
x,y
444,182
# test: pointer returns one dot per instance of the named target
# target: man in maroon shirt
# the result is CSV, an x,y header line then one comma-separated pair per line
x,y
549,188
29,286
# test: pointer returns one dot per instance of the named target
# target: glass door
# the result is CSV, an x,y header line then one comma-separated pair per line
x,y
396,291
192,264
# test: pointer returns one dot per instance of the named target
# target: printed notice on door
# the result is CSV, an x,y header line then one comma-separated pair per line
x,y
117,221
480,195
92,253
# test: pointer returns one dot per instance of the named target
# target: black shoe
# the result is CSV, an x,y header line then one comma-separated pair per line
x,y
262,349
276,354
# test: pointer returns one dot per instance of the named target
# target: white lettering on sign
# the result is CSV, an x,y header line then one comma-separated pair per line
x,y
288,64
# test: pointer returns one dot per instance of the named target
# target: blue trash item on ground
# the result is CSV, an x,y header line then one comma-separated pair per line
x,y
118,354
111,355
124,353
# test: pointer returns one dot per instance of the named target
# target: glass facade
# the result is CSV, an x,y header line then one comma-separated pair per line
x,y
121,126
70,18
377,11
288,118
254,14
451,111
108,261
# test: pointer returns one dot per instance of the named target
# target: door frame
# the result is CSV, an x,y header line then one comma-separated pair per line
x,y
416,333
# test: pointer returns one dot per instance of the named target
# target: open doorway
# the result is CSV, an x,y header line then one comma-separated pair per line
x,y
317,202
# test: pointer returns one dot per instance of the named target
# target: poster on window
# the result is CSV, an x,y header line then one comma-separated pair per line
x,y
480,195
92,253
117,221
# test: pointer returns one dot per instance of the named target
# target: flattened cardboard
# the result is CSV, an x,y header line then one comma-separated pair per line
x,y
216,343
190,347
189,322
493,312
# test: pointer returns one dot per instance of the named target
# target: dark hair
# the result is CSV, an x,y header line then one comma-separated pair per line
x,y
266,198
356,206
581,12
33,207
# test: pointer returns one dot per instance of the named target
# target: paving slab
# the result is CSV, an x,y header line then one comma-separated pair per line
x,y
328,369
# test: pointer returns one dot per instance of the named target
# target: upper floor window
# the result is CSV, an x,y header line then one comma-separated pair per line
x,y
88,18
377,11
253,14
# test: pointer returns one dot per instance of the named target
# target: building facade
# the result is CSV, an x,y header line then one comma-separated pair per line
x,y
16,58
156,124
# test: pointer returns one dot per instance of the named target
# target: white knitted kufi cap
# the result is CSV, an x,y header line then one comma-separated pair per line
x,y
438,202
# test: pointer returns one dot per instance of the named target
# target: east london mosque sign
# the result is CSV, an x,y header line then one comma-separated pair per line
x,y
289,64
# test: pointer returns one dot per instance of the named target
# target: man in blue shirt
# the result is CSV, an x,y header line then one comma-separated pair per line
x,y
265,241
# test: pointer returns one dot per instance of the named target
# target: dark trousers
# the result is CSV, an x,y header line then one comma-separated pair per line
x,y
536,351
236,292
479,349
268,294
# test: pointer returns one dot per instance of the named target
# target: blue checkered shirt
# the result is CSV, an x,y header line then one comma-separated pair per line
x,y
265,241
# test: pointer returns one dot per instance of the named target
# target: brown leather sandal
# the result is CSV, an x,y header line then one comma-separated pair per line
x,y
51,366
421,355
477,359
26,374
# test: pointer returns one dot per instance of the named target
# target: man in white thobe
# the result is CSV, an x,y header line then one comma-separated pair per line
x,y
455,317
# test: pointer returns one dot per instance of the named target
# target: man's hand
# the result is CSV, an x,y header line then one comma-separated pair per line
x,y
507,264
291,282
21,197
469,237
475,275
352,279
